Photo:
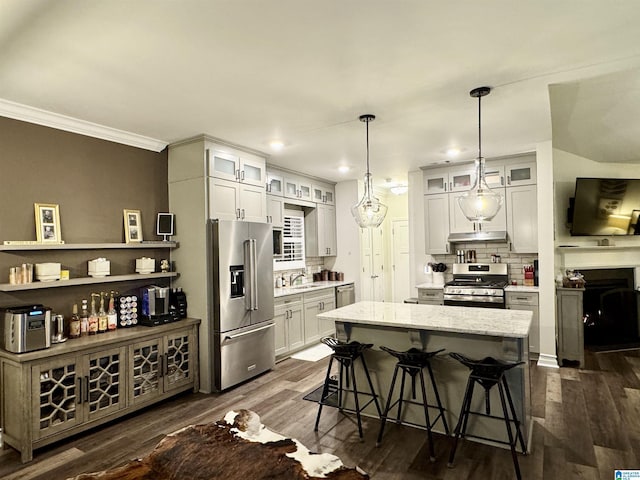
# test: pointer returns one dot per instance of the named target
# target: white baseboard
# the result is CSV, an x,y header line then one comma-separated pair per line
x,y
550,361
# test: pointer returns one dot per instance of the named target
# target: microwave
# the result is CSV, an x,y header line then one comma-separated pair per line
x,y
278,242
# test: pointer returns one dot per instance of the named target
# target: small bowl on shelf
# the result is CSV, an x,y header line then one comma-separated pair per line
x,y
145,265
47,272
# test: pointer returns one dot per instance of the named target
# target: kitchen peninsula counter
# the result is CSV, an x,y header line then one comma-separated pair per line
x,y
473,332
467,320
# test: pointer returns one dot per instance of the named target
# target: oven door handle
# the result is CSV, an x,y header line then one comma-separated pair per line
x,y
473,298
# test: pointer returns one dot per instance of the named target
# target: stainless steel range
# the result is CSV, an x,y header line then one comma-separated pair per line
x,y
477,285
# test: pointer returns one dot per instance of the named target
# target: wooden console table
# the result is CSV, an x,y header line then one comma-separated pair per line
x,y
50,394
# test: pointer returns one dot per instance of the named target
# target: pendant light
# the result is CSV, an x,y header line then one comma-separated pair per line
x,y
369,211
480,204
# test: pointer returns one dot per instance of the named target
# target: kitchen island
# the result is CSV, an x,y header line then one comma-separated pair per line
x,y
473,332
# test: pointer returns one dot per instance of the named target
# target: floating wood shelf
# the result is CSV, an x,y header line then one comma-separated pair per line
x,y
8,287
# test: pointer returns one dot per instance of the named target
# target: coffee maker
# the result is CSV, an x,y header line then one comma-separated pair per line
x,y
155,305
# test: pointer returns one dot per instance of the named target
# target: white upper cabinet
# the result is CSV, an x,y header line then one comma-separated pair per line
x,y
461,178
436,181
522,220
297,187
320,232
322,193
521,171
230,200
458,223
275,184
450,179
275,211
242,169
494,175
436,223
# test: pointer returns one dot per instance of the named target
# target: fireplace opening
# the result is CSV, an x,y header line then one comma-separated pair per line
x,y
610,308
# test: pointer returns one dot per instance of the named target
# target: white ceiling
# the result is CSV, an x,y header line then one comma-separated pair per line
x,y
249,71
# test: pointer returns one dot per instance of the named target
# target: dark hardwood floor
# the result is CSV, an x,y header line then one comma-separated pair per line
x,y
586,424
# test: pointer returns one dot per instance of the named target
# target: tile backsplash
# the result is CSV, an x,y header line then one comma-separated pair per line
x,y
516,261
312,265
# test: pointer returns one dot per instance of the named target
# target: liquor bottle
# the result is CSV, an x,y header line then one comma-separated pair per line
x,y
93,318
74,323
112,316
102,316
84,319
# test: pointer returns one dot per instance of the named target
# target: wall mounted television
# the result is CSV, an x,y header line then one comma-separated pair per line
x,y
606,206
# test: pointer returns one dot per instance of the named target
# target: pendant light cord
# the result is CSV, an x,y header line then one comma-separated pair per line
x,y
479,128
368,175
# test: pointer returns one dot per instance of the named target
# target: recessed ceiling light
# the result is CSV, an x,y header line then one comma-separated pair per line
x,y
399,189
453,152
343,168
276,144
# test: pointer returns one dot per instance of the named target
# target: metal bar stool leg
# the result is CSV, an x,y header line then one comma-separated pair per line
x,y
325,392
438,401
468,409
464,412
355,397
432,451
373,393
512,441
341,383
514,416
383,417
401,397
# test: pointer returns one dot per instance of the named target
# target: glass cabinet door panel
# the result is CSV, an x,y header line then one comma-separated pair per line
x,y
178,370
57,396
106,382
146,368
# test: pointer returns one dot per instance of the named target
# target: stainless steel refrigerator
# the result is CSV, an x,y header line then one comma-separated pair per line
x,y
241,274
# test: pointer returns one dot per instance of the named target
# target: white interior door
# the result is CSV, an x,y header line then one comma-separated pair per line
x,y
400,255
372,278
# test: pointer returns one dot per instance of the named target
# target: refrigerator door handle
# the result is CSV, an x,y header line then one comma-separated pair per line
x,y
251,292
250,332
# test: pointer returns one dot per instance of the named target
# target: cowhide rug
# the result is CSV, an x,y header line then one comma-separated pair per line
x,y
237,447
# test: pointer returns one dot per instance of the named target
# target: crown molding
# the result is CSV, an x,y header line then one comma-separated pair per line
x,y
38,116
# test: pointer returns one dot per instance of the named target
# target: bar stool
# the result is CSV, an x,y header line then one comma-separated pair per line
x,y
489,372
412,362
346,354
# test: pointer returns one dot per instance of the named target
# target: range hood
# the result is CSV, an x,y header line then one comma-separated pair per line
x,y
497,236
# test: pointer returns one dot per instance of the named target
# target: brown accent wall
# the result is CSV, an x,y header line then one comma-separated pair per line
x,y
93,181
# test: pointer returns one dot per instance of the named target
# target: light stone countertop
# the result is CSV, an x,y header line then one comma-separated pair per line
x,y
434,286
522,288
308,287
478,321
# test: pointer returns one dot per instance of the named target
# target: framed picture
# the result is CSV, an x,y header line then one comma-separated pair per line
x,y
132,226
47,223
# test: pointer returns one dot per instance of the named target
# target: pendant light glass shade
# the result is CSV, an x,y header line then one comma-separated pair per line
x,y
480,204
369,211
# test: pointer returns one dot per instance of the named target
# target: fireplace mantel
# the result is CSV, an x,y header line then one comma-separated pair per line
x,y
598,257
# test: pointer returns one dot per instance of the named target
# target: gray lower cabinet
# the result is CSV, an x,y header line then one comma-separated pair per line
x,y
289,329
297,322
51,394
314,303
569,324
527,301
431,296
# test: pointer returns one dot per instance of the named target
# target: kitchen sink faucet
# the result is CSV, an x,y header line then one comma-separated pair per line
x,y
295,276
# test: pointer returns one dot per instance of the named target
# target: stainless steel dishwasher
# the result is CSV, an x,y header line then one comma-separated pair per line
x,y
345,295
